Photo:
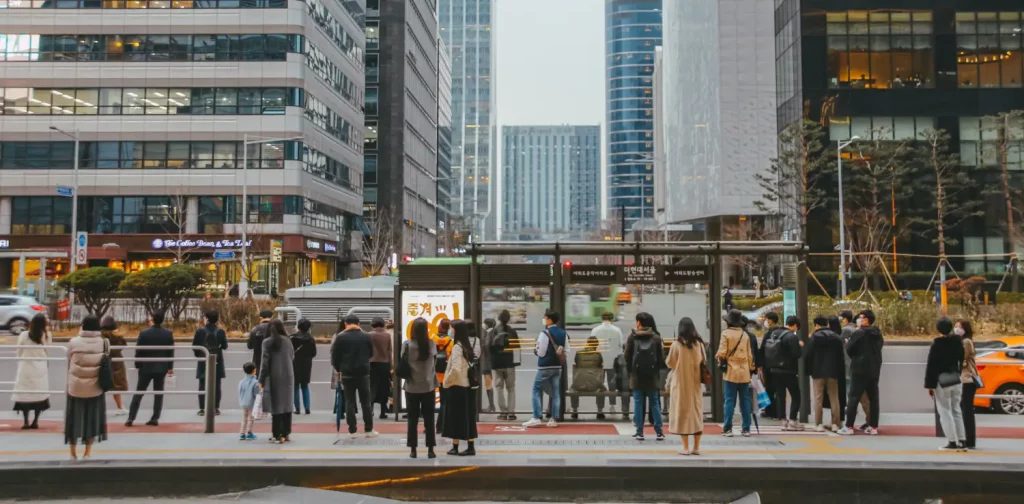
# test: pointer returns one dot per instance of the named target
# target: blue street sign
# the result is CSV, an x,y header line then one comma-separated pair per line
x,y
66,191
223,254
82,237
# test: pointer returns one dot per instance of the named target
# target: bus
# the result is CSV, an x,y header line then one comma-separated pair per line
x,y
584,304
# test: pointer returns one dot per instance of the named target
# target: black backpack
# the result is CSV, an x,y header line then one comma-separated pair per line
x,y
210,341
774,350
441,360
645,357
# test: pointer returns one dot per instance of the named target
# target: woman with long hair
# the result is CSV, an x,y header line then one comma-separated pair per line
x,y
32,375
108,328
970,378
85,416
685,358
419,388
277,379
460,399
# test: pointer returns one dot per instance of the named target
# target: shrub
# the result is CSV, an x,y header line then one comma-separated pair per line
x,y
237,314
95,287
161,289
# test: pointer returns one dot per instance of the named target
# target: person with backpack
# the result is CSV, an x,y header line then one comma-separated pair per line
x,y
504,342
782,354
551,351
443,340
256,336
771,326
825,363
737,364
215,341
645,354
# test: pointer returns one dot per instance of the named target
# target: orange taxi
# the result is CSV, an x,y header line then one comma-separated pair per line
x,y
1002,373
624,297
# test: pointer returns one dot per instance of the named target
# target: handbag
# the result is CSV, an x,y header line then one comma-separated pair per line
x,y
257,406
978,382
106,373
724,363
949,379
404,369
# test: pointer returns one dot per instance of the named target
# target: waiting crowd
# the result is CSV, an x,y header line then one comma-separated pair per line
x,y
450,363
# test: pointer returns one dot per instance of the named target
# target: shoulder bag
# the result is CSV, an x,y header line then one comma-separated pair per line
x,y
106,374
705,373
404,368
724,363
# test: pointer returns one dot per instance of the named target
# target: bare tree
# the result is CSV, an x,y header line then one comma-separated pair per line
x,y
176,219
952,201
382,242
1008,128
791,187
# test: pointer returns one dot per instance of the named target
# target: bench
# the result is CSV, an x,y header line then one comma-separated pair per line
x,y
625,395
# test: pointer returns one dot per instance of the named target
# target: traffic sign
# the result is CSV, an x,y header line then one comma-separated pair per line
x,y
223,254
637,274
66,191
81,246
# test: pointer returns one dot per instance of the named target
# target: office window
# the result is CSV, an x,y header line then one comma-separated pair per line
x,y
149,101
129,215
371,101
989,49
128,154
880,50
40,215
879,128
980,143
370,169
155,47
372,35
143,4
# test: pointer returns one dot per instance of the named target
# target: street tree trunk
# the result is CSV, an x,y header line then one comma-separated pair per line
x,y
1011,232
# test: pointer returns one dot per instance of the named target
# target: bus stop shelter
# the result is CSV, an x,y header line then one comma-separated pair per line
x,y
469,279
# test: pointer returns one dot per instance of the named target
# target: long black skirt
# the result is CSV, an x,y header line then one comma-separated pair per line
x,y
85,419
459,413
27,407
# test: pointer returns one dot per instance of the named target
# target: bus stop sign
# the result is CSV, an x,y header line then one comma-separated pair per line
x,y
637,274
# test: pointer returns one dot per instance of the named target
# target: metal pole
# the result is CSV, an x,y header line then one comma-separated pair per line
x,y
622,230
802,314
243,283
842,223
211,391
715,324
558,304
74,224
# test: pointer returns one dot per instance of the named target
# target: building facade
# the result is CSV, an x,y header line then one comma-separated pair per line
x,y
552,182
401,121
633,28
467,27
444,148
168,107
862,68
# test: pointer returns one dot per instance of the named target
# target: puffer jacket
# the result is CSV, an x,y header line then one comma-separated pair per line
x,y
588,371
84,354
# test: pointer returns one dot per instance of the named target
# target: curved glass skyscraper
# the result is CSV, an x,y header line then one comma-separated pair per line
x,y
632,31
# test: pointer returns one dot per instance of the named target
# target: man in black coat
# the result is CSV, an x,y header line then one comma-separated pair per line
x,y
865,351
256,336
154,372
825,361
215,341
783,351
350,356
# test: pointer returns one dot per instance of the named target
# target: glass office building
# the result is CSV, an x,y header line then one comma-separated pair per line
x,y
632,31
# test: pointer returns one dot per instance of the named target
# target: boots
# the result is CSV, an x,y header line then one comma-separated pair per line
x,y
490,401
470,451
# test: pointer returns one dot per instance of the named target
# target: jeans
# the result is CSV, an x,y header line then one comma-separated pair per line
x,y
548,380
967,407
653,399
859,386
350,387
158,400
611,380
820,386
786,382
420,404
505,383
731,391
304,389
202,397
947,402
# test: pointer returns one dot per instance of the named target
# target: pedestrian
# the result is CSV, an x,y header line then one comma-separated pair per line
x,y
865,351
943,379
771,327
686,358
588,375
847,320
277,380
727,304
248,389
645,354
825,362
215,341
971,381
614,344
85,415
737,364
504,342
33,379
782,356
460,398
108,328
485,362
152,372
380,366
256,336
443,341
305,350
419,352
551,352
350,355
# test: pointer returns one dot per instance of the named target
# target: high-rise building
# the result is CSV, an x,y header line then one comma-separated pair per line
x,y
467,27
444,146
881,67
552,182
401,123
632,31
172,116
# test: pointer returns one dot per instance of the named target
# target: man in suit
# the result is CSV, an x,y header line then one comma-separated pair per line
x,y
154,372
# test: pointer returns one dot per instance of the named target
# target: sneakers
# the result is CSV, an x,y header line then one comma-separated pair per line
x,y
600,416
871,431
864,427
511,418
745,433
552,423
845,431
661,437
121,412
372,434
533,422
503,416
639,437
727,433
796,426
611,409
250,436
819,428
950,447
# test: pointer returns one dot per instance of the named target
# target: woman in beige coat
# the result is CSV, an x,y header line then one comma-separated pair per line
x,y
686,412
85,417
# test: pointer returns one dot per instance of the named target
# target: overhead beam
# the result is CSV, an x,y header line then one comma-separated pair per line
x,y
641,248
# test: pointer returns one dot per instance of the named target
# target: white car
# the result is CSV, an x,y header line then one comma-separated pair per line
x,y
17,311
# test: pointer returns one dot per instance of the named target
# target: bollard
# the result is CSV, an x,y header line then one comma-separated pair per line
x,y
211,391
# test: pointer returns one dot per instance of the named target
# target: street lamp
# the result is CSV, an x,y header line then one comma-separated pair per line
x,y
842,219
243,283
74,196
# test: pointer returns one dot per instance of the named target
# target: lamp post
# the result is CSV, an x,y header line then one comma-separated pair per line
x,y
243,283
74,211
842,218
